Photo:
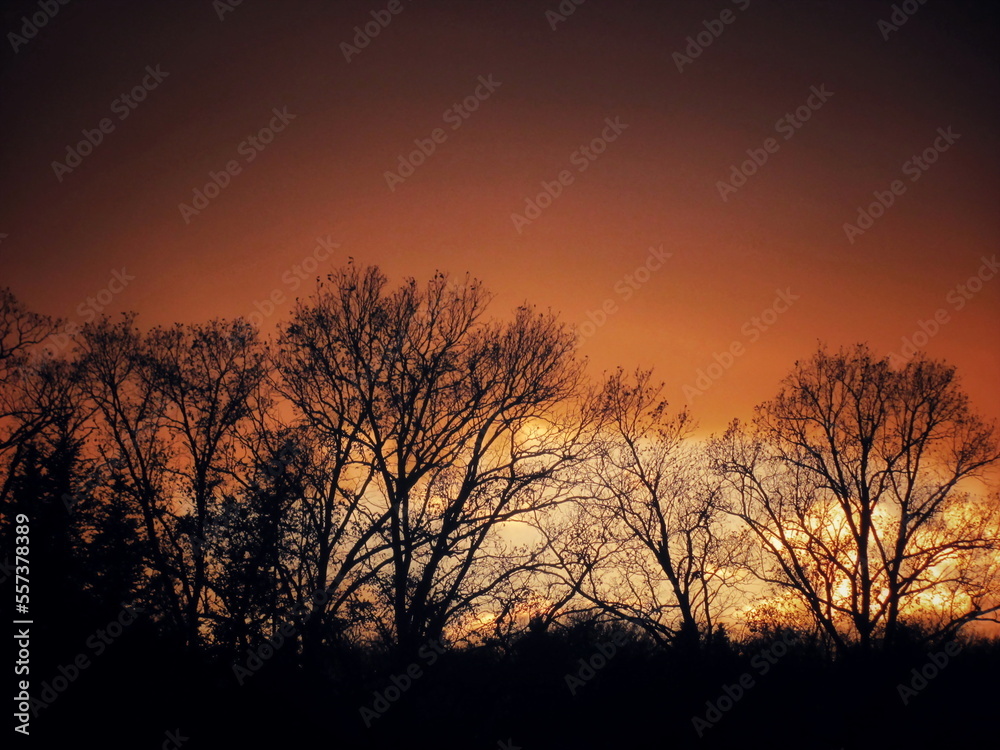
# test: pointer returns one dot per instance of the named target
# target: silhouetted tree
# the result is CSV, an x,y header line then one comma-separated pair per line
x,y
130,439
208,376
649,543
856,483
169,406
33,383
457,419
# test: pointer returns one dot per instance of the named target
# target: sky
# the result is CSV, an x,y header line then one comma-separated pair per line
x,y
689,183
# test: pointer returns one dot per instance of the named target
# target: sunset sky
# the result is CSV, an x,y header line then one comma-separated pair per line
x,y
886,95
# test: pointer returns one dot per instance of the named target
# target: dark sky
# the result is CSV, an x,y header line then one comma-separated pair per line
x,y
656,184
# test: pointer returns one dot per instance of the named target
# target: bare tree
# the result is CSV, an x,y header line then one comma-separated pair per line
x,y
458,419
169,405
332,527
207,376
649,544
856,481
33,387
130,419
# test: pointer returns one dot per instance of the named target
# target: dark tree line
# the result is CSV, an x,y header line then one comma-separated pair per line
x,y
445,476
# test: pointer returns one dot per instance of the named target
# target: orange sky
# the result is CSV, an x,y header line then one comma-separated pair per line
x,y
656,183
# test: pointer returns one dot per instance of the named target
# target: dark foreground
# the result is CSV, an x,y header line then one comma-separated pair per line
x,y
587,688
